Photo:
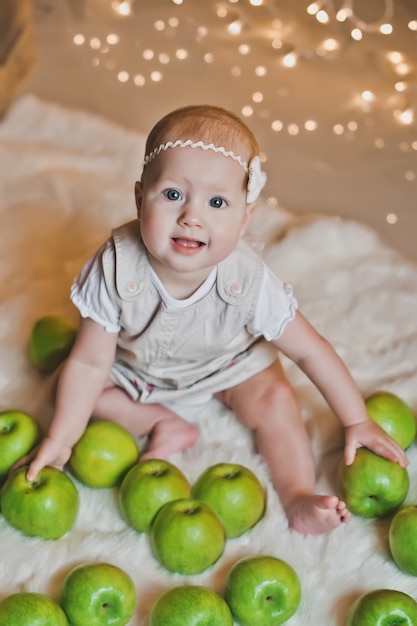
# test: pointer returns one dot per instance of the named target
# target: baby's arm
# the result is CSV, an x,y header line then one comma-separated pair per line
x,y
81,381
320,362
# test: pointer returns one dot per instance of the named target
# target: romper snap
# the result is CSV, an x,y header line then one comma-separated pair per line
x,y
236,288
131,286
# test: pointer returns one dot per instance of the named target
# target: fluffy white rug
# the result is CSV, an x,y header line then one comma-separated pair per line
x,y
66,178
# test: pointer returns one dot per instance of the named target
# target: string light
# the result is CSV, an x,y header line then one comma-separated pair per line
x,y
122,7
402,69
368,96
395,57
322,17
343,14
404,117
356,34
277,125
328,45
95,43
79,39
347,12
313,8
386,29
400,86
247,111
181,54
290,59
261,70
112,39
235,27
244,49
286,49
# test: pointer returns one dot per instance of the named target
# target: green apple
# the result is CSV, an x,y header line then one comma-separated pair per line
x,y
383,607
234,493
98,594
146,487
46,507
103,455
187,536
262,590
393,415
372,486
19,433
50,342
190,605
31,609
402,538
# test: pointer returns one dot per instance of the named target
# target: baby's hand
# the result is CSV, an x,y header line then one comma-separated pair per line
x,y
50,453
369,435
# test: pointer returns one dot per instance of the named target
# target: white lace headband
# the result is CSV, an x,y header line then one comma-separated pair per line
x,y
256,177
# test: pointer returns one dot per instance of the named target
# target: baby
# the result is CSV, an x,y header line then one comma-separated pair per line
x,y
176,306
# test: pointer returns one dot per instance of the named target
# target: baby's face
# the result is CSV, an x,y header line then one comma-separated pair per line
x,y
192,209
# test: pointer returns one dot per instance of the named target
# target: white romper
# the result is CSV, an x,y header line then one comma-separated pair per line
x,y
206,344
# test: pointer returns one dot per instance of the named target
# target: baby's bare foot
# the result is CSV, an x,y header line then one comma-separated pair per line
x,y
314,515
169,436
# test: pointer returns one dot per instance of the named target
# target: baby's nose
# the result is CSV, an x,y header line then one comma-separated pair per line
x,y
191,216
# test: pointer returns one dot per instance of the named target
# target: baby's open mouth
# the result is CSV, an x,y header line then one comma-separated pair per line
x,y
187,243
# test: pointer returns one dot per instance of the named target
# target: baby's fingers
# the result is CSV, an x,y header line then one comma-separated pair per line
x,y
391,451
350,452
34,468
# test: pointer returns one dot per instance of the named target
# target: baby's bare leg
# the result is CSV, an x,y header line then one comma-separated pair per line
x,y
168,433
267,405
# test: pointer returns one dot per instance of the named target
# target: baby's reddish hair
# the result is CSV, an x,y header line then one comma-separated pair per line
x,y
206,123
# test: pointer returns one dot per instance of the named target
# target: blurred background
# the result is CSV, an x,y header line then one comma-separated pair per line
x,y
328,87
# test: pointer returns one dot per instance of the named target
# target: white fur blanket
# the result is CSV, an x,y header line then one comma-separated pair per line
x,y
66,178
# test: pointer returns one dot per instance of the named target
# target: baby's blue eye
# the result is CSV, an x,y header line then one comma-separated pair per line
x,y
172,194
217,202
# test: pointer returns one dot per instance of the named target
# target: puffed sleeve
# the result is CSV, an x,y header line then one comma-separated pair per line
x,y
276,307
89,292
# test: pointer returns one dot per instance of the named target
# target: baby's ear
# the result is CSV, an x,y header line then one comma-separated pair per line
x,y
138,195
248,214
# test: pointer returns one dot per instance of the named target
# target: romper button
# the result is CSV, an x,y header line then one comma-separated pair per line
x,y
236,288
131,287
